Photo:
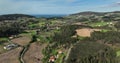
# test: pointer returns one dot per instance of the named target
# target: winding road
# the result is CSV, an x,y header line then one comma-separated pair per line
x,y
22,53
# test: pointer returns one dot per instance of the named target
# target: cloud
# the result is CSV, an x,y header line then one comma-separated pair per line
x,y
117,4
52,6
36,6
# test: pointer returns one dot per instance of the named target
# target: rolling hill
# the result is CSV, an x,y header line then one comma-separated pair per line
x,y
14,16
95,16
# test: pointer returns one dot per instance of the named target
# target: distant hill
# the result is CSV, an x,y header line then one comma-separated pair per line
x,y
88,13
95,13
14,16
95,16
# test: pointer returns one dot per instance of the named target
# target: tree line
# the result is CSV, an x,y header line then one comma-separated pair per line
x,y
8,29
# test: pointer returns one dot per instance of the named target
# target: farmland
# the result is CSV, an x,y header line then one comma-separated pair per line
x,y
21,41
11,56
34,53
58,40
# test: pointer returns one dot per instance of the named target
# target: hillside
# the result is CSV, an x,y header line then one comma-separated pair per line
x,y
87,37
14,16
95,16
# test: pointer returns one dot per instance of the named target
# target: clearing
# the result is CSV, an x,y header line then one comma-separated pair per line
x,y
86,32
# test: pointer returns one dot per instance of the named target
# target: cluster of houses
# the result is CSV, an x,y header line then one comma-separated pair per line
x,y
54,57
10,46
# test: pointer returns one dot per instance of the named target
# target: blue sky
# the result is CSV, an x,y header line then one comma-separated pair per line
x,y
57,6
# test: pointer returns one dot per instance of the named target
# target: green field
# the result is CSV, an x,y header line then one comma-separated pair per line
x,y
98,24
3,39
118,53
28,33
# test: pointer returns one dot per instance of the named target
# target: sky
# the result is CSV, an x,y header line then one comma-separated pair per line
x,y
57,6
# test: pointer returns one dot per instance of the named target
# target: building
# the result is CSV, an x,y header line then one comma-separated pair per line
x,y
10,46
52,59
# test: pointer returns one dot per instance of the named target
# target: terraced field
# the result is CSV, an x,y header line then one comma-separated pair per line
x,y
11,56
21,40
34,53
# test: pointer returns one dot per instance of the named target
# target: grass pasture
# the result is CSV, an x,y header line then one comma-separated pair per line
x,y
3,39
118,53
98,24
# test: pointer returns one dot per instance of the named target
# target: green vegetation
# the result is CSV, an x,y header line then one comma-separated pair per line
x,y
117,25
111,37
65,35
105,30
98,24
61,39
91,52
3,39
28,33
118,53
58,33
7,29
60,59
14,16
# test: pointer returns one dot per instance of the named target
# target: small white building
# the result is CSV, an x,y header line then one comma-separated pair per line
x,y
10,46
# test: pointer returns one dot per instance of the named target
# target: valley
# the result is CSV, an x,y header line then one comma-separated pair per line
x,y
86,37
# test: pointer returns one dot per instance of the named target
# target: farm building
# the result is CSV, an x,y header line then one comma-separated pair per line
x,y
10,46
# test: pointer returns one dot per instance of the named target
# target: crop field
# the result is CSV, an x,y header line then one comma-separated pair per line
x,y
21,40
34,53
28,33
96,24
37,24
11,56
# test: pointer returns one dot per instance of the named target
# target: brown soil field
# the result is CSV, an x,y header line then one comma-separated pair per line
x,y
11,56
21,40
85,32
34,53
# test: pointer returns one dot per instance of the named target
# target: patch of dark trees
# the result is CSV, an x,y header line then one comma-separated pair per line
x,y
91,52
88,50
117,25
8,29
65,35
111,37
61,39
14,16
94,50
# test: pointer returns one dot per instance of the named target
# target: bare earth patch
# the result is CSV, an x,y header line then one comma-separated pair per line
x,y
85,32
21,40
11,56
34,54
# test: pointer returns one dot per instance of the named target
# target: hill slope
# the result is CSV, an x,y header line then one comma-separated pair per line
x,y
14,16
95,16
